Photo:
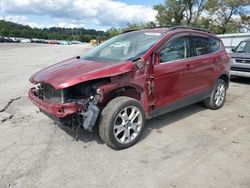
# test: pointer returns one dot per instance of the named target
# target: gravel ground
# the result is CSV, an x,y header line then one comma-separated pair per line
x,y
191,147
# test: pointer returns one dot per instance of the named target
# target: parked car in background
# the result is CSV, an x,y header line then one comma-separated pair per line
x,y
8,39
14,39
2,39
241,59
132,77
76,42
53,42
41,41
231,40
64,42
24,40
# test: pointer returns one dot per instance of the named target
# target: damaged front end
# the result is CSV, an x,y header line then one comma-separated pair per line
x,y
75,105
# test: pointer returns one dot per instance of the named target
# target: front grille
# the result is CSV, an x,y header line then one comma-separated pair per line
x,y
240,69
243,61
40,91
47,93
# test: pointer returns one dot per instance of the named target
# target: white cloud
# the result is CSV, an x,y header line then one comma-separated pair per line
x,y
90,12
21,20
17,19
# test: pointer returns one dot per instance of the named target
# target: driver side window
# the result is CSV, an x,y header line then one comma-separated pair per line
x,y
175,50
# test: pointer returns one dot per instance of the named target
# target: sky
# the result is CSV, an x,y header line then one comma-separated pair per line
x,y
94,14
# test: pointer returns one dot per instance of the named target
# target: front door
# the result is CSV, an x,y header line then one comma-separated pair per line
x,y
170,75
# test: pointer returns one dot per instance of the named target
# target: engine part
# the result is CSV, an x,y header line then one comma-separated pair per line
x,y
90,116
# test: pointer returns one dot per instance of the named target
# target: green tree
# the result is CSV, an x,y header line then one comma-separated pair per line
x,y
178,12
218,16
227,14
194,10
245,22
18,30
113,32
171,13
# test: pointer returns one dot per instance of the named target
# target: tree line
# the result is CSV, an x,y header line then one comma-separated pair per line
x,y
10,29
216,16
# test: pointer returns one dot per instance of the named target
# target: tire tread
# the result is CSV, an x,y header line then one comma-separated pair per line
x,y
209,103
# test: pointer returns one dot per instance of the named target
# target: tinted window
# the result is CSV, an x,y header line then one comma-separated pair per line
x,y
175,50
214,44
200,46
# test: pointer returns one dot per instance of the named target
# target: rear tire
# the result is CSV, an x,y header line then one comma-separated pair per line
x,y
217,97
122,122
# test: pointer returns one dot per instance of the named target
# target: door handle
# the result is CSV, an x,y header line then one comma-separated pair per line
x,y
189,65
217,60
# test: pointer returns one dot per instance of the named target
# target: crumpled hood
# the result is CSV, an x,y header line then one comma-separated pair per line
x,y
73,71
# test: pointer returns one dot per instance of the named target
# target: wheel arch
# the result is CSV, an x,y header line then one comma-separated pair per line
x,y
111,91
226,79
126,91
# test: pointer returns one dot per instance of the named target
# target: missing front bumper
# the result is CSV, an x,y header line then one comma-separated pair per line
x,y
55,109
85,112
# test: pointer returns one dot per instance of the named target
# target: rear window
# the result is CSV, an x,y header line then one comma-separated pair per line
x,y
201,46
214,45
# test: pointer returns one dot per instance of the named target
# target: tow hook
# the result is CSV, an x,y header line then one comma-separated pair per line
x,y
89,112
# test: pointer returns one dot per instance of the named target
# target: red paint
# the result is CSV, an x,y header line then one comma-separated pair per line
x,y
58,110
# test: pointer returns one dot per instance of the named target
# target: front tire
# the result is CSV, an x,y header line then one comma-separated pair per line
x,y
218,96
122,122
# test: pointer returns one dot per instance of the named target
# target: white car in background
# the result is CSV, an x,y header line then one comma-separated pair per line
x,y
24,40
241,59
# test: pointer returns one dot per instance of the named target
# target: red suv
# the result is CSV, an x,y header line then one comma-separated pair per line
x,y
132,77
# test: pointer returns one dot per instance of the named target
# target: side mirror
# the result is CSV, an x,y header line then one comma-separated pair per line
x,y
233,49
140,65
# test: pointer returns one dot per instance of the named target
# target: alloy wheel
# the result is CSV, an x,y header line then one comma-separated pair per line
x,y
220,94
128,124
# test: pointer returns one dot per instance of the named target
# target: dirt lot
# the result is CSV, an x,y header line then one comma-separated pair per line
x,y
191,147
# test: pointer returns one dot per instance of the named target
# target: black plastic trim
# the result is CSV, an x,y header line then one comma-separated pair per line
x,y
179,104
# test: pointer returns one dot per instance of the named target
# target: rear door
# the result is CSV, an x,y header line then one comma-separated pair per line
x,y
200,69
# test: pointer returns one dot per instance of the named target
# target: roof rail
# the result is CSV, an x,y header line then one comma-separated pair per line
x,y
170,27
130,30
188,27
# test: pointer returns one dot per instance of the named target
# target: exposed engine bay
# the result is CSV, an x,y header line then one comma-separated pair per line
x,y
77,92
83,95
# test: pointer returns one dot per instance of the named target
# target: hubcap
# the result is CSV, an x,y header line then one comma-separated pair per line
x,y
220,94
127,124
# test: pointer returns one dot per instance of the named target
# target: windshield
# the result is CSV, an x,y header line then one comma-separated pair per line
x,y
244,47
127,46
